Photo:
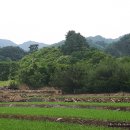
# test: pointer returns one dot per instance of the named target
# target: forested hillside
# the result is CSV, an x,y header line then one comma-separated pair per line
x,y
11,53
74,67
5,42
121,47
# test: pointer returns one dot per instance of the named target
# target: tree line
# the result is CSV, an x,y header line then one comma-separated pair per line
x,y
74,67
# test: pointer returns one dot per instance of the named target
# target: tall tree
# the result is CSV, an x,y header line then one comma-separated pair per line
x,y
33,47
74,42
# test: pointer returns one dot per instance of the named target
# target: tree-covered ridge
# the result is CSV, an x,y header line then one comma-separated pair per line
x,y
8,70
121,47
100,42
116,47
74,67
92,72
11,53
74,42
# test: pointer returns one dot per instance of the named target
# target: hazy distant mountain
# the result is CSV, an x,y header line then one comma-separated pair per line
x,y
4,43
25,45
100,38
58,44
100,42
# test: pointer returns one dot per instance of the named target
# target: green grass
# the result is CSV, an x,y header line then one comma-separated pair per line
x,y
5,83
73,103
12,124
69,112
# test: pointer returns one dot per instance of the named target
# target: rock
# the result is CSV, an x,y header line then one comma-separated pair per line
x,y
59,119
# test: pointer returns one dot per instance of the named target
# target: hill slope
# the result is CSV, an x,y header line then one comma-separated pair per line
x,y
25,45
121,47
11,53
100,42
4,43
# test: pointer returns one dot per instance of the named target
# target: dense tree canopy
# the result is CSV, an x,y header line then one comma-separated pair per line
x,y
8,70
74,68
11,53
33,47
93,72
74,42
121,47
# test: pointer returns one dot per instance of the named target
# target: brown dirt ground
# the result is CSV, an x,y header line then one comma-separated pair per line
x,y
21,96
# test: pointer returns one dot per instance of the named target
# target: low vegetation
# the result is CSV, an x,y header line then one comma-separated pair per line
x,y
5,83
69,112
71,103
7,124
62,118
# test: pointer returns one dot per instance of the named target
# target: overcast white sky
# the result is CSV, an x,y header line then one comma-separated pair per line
x,y
48,21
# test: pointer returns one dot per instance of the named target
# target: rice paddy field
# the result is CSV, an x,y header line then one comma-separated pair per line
x,y
13,124
64,116
36,111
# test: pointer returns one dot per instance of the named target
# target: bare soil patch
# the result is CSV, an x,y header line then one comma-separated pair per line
x,y
50,96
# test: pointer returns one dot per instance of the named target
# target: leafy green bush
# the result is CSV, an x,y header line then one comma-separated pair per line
x,y
13,85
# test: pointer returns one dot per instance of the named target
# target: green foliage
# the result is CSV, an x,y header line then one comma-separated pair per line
x,y
73,67
33,47
37,68
87,71
13,84
11,53
4,70
8,70
105,77
121,47
5,83
74,42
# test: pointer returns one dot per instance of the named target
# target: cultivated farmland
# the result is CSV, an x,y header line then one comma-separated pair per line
x,y
67,113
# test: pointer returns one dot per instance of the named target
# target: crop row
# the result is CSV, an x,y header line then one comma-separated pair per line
x,y
13,124
73,103
69,112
